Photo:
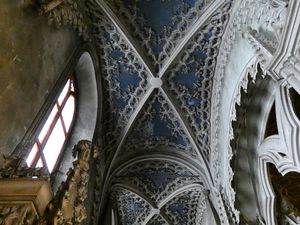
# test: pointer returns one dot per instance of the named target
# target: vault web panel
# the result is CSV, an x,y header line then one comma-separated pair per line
x,y
157,179
157,127
125,79
190,80
159,25
187,208
132,209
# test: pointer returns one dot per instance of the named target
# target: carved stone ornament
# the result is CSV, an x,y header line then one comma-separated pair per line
x,y
15,167
68,205
25,193
255,21
280,149
17,214
65,12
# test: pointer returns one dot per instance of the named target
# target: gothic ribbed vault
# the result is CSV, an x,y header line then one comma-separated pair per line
x,y
158,59
186,104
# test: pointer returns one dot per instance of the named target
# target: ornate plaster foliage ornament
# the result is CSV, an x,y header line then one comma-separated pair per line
x,y
190,80
276,58
161,129
16,167
68,205
157,179
125,77
261,23
132,209
184,207
66,12
159,33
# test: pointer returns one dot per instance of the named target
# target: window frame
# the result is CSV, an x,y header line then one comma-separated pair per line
x,y
23,149
41,144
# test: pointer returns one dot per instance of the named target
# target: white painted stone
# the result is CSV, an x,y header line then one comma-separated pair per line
x,y
156,82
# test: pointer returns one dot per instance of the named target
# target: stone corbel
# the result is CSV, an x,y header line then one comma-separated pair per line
x,y
47,7
24,192
65,12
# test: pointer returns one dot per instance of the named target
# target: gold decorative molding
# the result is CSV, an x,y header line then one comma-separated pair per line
x,y
16,167
16,213
22,200
24,192
26,196
68,205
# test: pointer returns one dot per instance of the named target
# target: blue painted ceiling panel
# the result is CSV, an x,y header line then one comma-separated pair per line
x,y
159,25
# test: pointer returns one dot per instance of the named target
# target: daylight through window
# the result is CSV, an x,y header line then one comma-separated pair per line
x,y
52,137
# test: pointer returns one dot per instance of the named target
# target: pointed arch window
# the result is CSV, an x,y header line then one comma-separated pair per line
x,y
53,134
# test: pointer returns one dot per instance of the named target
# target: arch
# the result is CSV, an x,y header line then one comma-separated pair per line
x,y
85,118
196,177
253,150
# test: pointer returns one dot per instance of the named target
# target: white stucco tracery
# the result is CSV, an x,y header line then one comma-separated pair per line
x,y
242,52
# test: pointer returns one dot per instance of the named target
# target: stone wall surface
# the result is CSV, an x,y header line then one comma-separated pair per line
x,y
32,57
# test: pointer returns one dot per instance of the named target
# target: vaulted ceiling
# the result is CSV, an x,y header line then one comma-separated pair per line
x,y
157,61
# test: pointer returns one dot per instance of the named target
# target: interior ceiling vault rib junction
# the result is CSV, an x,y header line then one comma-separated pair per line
x,y
157,83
